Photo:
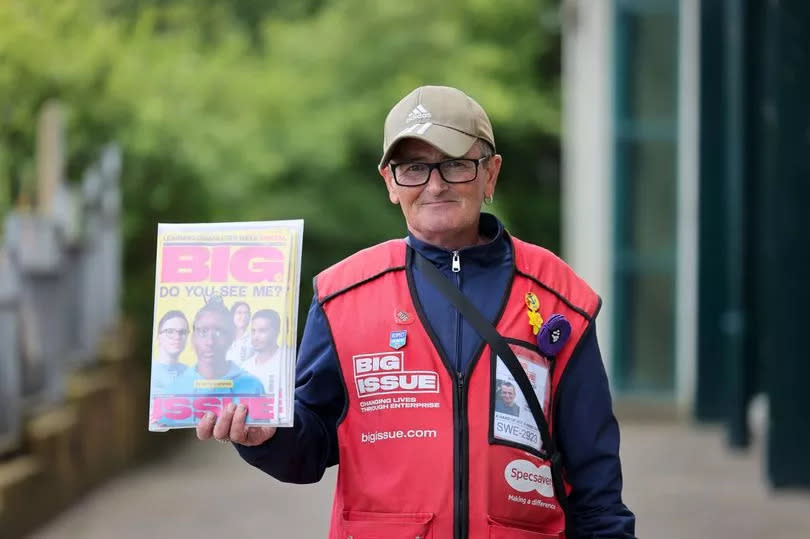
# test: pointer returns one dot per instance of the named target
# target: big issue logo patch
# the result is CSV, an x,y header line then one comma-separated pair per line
x,y
384,373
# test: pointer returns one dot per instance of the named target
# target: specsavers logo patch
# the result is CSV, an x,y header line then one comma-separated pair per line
x,y
524,476
384,374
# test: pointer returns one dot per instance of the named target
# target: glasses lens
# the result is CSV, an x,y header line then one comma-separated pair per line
x,y
411,173
458,170
171,332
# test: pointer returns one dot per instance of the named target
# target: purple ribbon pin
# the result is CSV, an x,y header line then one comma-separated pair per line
x,y
553,335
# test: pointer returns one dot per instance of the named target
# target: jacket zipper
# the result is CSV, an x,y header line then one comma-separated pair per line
x,y
457,271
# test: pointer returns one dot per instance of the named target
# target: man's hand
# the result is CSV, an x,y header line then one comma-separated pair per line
x,y
231,427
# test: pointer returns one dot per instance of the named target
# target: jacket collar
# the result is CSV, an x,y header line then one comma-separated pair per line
x,y
484,255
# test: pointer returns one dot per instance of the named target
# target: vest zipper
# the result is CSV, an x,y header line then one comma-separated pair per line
x,y
462,460
456,262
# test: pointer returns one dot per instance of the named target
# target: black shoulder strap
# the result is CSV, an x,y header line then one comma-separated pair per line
x,y
505,353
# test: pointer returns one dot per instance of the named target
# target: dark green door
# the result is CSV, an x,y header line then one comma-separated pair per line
x,y
645,187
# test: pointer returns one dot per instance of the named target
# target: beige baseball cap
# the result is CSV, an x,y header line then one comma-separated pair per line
x,y
442,116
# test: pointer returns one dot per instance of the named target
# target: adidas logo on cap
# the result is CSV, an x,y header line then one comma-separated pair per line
x,y
418,114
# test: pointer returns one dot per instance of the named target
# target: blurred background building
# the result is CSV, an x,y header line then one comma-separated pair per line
x,y
686,138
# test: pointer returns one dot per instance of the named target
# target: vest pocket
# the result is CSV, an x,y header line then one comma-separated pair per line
x,y
371,525
500,531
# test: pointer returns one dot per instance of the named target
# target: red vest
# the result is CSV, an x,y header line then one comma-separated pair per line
x,y
426,453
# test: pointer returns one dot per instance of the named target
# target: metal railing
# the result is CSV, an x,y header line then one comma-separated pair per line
x,y
60,278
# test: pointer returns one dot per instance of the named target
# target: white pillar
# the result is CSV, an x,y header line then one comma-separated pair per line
x,y
686,284
587,179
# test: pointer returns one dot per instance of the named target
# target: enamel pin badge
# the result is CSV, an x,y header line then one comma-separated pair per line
x,y
553,335
403,317
397,339
533,304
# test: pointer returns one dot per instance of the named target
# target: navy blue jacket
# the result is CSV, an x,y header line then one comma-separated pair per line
x,y
586,430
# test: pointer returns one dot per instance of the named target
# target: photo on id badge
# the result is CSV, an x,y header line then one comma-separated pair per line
x,y
511,421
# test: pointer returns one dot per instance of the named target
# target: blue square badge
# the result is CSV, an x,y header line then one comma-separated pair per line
x,y
398,339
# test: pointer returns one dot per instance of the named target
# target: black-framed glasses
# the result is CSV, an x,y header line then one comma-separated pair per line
x,y
412,174
171,332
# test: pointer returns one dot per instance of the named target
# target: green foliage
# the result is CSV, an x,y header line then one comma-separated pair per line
x,y
273,109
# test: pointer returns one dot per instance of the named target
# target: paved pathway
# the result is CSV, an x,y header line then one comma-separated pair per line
x,y
681,482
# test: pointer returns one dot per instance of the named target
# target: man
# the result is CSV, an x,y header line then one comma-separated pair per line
x,y
212,334
172,336
506,404
394,384
265,363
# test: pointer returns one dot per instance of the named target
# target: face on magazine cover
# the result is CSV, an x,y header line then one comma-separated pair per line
x,y
241,315
264,334
211,337
172,337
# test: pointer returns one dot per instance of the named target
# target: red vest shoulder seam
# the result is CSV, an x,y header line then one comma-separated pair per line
x,y
361,267
554,275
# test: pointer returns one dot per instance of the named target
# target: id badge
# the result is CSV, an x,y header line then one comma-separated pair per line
x,y
511,420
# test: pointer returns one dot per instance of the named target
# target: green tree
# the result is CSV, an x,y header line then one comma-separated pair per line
x,y
270,110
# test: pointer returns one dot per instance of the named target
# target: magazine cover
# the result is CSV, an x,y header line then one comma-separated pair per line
x,y
226,304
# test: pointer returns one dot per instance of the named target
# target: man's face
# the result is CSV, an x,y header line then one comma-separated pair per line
x,y
211,337
263,334
241,316
508,395
172,336
437,208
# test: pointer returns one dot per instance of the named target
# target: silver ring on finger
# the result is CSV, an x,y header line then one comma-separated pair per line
x,y
224,440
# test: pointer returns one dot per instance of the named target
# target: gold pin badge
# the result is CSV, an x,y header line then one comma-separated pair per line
x,y
535,320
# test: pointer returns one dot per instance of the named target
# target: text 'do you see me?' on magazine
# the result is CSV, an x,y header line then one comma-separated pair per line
x,y
226,304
